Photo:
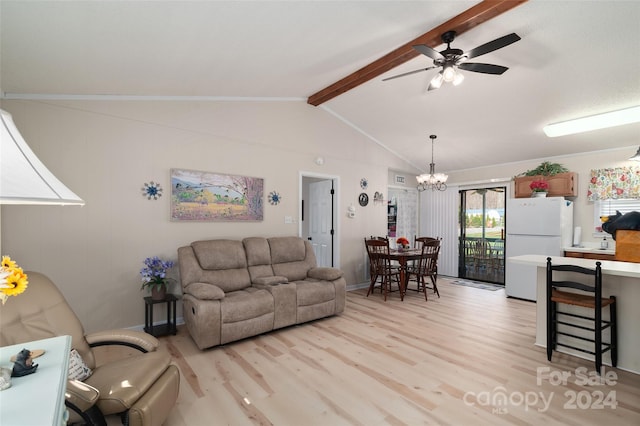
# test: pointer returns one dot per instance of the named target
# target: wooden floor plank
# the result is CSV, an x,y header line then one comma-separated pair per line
x,y
446,361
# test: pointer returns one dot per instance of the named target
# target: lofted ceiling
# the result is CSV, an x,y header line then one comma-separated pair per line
x,y
576,58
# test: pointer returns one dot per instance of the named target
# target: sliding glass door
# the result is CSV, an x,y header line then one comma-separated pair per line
x,y
481,254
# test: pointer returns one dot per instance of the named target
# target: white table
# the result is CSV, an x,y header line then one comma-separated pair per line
x,y
621,279
38,398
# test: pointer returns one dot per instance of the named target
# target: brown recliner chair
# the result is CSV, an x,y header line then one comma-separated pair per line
x,y
142,388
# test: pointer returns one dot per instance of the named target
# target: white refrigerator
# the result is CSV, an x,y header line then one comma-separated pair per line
x,y
534,226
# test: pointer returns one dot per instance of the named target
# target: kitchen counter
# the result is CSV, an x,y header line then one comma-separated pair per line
x,y
609,267
621,279
594,250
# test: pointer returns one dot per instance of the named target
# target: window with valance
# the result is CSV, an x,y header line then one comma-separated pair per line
x,y
614,183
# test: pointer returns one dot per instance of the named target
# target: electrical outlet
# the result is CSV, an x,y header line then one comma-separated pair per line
x,y
288,219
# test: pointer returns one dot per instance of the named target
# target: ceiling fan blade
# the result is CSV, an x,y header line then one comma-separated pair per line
x,y
483,68
408,73
496,44
428,51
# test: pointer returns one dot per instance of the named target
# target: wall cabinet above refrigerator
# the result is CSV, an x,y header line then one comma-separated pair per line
x,y
560,185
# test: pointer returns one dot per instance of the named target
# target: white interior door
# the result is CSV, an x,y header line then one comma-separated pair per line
x,y
320,224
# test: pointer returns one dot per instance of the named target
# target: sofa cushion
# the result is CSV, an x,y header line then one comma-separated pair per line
x,y
205,291
276,279
246,304
223,264
220,254
258,252
314,292
287,249
258,258
328,274
291,257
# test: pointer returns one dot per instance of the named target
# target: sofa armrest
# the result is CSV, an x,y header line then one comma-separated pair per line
x,y
204,291
272,280
326,274
135,339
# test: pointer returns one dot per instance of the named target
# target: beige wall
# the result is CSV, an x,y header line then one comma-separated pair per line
x,y
105,152
581,164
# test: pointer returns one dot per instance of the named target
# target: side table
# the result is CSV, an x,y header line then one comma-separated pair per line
x,y
162,329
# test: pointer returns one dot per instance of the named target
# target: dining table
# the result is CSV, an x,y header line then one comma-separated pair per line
x,y
403,256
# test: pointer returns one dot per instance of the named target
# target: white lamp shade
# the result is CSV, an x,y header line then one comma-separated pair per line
x,y
23,177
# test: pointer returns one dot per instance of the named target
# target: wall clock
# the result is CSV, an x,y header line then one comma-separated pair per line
x,y
363,199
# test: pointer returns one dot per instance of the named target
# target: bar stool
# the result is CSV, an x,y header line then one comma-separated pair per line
x,y
588,296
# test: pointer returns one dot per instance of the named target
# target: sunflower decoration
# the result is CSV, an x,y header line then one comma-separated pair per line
x,y
13,280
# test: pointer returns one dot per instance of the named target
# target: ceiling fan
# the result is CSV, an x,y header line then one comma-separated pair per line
x,y
453,59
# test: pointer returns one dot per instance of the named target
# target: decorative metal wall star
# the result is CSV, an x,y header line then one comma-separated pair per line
x,y
274,198
152,190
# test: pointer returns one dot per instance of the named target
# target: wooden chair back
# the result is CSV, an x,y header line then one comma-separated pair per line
x,y
378,251
592,289
419,241
428,262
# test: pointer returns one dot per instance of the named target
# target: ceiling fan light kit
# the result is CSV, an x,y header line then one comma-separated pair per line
x,y
434,181
453,60
593,122
436,81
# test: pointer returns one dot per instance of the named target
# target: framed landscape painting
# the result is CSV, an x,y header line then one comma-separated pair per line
x,y
208,196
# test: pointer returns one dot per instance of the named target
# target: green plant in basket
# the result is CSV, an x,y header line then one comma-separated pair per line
x,y
546,169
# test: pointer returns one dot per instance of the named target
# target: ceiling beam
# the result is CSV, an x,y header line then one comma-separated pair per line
x,y
461,23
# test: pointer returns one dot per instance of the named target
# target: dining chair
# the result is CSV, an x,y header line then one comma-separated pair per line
x,y
381,267
481,258
419,241
372,272
427,267
588,303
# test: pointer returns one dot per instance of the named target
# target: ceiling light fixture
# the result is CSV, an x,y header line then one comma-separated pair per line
x,y
458,78
434,181
23,177
636,157
448,75
594,122
436,81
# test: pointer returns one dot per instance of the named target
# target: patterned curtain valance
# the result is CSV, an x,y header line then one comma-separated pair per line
x,y
614,183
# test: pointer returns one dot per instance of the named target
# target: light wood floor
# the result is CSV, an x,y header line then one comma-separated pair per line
x,y
442,362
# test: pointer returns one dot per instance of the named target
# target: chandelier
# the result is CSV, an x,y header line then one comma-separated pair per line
x,y
434,181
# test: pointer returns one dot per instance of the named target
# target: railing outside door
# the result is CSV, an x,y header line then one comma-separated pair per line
x,y
481,255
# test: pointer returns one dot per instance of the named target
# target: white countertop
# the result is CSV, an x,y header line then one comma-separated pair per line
x,y
610,251
609,267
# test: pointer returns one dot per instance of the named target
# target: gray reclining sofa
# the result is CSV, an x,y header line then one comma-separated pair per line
x,y
237,289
